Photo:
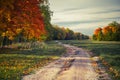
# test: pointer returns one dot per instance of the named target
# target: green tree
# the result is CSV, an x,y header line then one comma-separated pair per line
x,y
47,13
100,36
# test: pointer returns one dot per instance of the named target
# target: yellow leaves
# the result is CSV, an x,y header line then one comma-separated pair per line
x,y
115,72
8,17
11,38
3,35
9,34
18,30
27,25
111,69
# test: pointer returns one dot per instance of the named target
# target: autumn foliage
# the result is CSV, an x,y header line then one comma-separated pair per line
x,y
28,18
108,33
96,32
21,18
28,21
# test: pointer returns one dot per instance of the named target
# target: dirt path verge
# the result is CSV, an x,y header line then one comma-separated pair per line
x,y
76,64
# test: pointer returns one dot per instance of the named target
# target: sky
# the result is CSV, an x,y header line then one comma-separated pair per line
x,y
84,15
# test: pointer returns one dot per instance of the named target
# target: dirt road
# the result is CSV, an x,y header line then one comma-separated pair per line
x,y
74,65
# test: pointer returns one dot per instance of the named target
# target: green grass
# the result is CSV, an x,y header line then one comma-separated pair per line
x,y
108,51
15,63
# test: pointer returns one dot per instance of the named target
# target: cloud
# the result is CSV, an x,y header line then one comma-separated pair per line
x,y
84,16
114,18
77,22
107,11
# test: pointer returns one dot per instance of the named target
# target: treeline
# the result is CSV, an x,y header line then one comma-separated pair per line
x,y
28,21
58,33
108,33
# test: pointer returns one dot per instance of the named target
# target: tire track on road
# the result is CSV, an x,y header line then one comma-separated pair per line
x,y
76,64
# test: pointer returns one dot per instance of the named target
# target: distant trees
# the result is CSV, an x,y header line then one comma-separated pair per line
x,y
108,33
61,33
54,32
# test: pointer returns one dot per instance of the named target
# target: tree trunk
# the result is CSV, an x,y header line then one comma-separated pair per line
x,y
4,42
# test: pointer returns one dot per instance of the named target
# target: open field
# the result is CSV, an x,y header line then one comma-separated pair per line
x,y
109,52
17,62
14,63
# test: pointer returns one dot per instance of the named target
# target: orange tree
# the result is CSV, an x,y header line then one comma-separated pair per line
x,y
108,33
21,16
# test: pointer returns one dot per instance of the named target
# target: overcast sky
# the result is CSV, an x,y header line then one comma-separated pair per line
x,y
84,15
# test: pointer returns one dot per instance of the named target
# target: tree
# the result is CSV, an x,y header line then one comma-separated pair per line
x,y
108,33
97,34
29,18
21,16
100,36
47,13
69,34
114,24
94,37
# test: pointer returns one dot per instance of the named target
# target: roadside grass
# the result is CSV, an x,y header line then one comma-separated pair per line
x,y
108,51
15,63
